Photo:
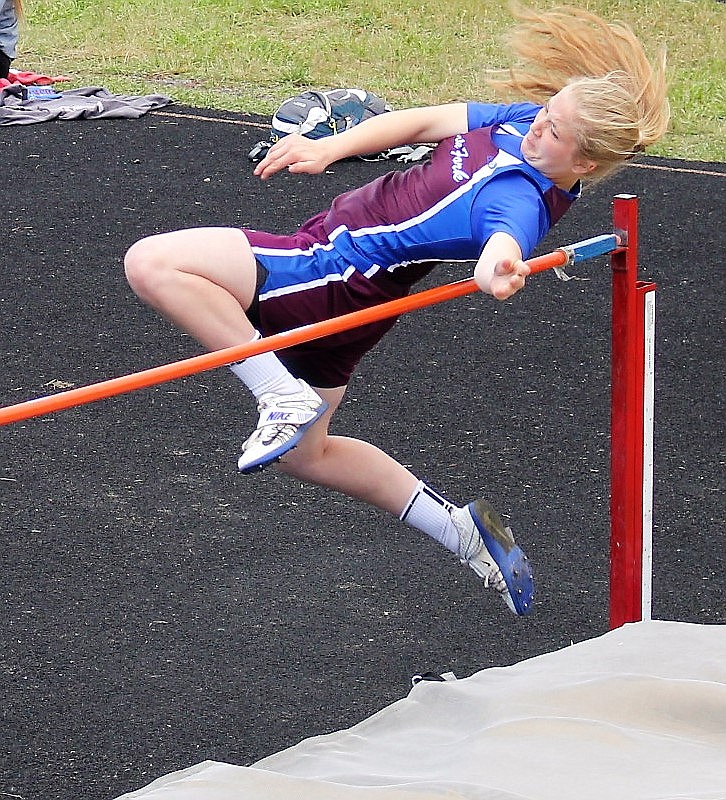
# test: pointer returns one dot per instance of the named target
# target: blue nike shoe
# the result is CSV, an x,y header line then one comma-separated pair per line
x,y
489,549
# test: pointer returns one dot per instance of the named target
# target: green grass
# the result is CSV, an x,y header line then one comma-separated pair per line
x,y
248,55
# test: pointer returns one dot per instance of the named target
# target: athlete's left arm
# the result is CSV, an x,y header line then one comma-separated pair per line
x,y
500,270
298,154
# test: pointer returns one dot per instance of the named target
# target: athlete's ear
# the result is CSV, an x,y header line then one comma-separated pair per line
x,y
584,167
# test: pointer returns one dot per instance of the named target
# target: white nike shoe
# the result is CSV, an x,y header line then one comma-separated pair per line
x,y
284,418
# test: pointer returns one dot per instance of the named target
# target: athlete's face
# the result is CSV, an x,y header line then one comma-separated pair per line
x,y
550,145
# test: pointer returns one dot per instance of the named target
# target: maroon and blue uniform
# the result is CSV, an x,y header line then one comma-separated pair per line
x,y
375,242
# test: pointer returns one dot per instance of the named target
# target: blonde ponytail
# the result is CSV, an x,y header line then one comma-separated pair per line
x,y
621,97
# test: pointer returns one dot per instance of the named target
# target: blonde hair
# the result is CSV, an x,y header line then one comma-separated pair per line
x,y
18,4
620,96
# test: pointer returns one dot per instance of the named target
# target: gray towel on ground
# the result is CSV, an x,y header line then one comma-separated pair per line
x,y
90,102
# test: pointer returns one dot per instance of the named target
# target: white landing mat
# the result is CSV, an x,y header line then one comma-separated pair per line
x,y
637,714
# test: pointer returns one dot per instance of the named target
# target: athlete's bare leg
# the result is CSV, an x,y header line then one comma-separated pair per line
x,y
201,279
351,466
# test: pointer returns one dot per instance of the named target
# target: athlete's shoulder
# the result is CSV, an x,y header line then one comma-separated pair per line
x,y
512,204
483,115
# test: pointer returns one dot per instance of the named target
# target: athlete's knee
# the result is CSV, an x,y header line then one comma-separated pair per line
x,y
295,466
147,266
305,463
313,460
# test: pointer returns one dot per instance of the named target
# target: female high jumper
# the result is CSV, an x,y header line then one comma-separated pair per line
x,y
498,180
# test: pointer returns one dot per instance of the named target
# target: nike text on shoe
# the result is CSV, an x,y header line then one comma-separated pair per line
x,y
489,549
284,418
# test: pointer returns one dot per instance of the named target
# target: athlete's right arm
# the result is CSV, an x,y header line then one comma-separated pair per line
x,y
500,270
377,134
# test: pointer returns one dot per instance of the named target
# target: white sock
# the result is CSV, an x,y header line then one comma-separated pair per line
x,y
431,513
265,373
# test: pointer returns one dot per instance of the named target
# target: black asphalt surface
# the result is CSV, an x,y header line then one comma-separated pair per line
x,y
158,609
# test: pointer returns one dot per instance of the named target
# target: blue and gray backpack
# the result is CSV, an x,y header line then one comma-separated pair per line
x,y
316,114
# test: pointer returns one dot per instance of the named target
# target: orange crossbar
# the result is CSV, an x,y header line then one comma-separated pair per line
x,y
279,341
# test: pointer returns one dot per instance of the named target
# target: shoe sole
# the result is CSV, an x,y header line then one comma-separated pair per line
x,y
269,458
512,562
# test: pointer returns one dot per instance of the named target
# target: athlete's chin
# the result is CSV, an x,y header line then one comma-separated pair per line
x,y
530,159
527,153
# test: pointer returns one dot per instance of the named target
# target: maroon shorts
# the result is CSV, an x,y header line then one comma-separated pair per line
x,y
304,280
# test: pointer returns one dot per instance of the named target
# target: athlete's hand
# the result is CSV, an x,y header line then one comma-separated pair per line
x,y
296,154
508,278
